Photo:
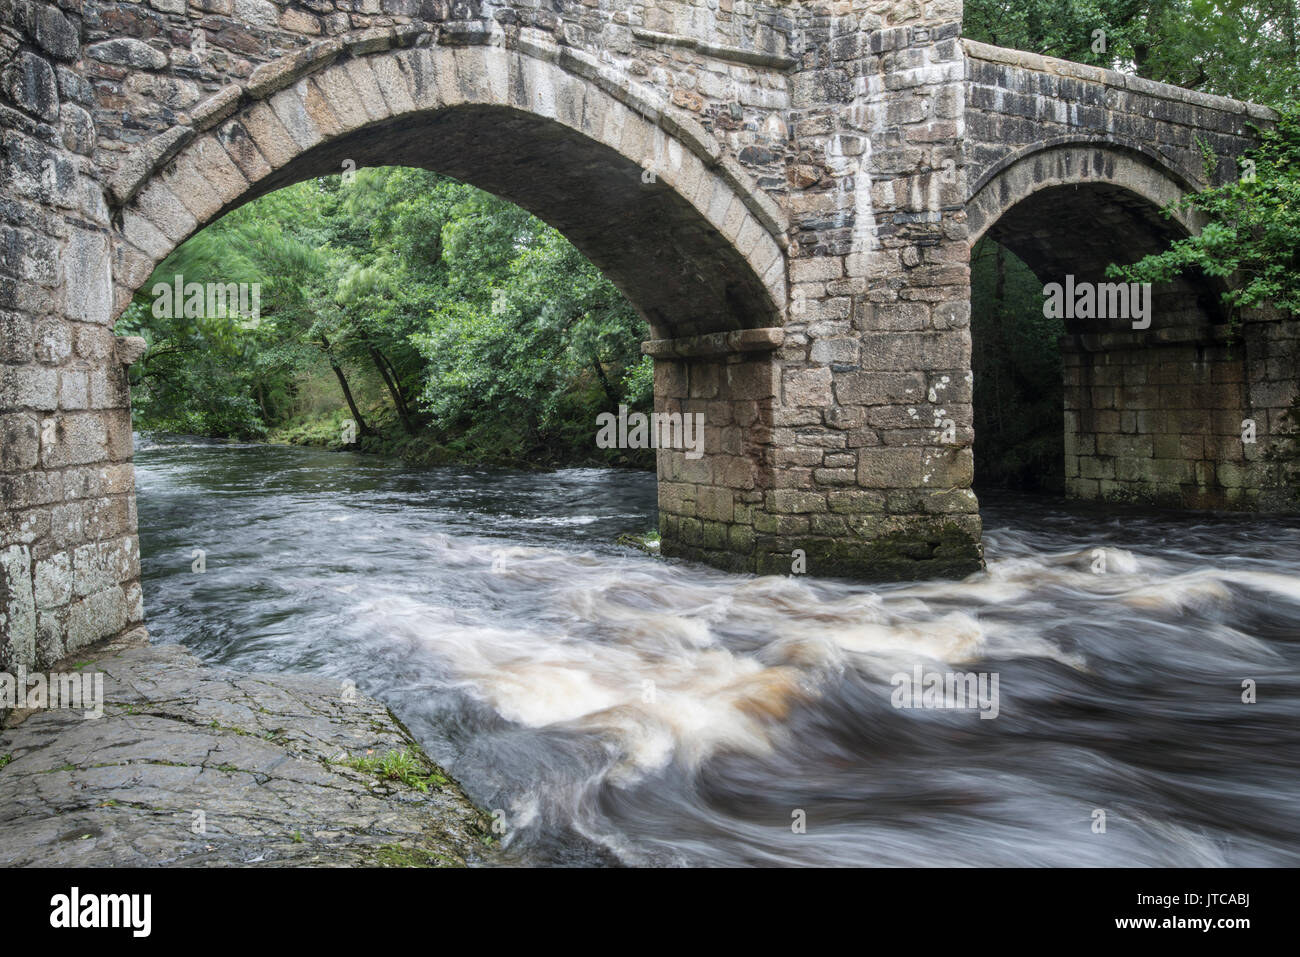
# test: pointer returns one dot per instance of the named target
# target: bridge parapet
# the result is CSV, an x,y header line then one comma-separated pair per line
x,y
1018,103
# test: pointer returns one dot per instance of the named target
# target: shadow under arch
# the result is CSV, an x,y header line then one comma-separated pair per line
x,y
1078,206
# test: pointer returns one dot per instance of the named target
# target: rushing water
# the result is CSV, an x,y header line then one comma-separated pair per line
x,y
624,709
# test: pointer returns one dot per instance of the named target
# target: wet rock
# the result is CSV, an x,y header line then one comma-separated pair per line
x,y
78,129
802,176
52,31
130,349
198,766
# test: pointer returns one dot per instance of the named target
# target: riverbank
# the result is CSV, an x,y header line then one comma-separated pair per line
x,y
426,448
193,765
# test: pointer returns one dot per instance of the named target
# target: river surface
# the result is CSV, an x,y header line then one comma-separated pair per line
x,y
621,709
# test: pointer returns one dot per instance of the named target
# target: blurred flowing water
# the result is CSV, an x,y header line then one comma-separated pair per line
x,y
623,709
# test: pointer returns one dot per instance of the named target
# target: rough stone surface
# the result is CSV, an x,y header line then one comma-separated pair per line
x,y
128,52
259,756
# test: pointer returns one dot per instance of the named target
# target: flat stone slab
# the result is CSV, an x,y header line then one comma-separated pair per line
x,y
199,766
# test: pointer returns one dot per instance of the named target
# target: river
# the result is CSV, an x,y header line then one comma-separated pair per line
x,y
622,709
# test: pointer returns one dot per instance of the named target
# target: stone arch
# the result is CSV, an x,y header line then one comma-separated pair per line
x,y
1076,162
1075,205
638,186
1146,410
645,193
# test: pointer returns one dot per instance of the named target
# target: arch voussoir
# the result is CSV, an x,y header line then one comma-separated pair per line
x,y
268,134
307,126
1074,164
336,88
367,87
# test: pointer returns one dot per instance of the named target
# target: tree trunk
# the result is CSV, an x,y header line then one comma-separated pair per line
x,y
398,404
1292,34
362,428
999,297
397,385
604,383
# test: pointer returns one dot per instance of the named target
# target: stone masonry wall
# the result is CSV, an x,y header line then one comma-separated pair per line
x,y
1160,424
711,509
1170,422
1270,350
155,63
872,434
1017,100
69,559
866,466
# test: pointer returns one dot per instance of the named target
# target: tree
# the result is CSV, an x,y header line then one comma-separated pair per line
x,y
1253,231
474,327
1248,49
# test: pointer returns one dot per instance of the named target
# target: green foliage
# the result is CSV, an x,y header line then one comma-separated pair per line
x,y
1252,237
405,766
224,375
534,342
448,323
321,431
1016,359
639,384
1247,49
1064,28
648,541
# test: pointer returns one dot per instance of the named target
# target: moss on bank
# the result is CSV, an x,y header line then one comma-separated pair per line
x,y
648,542
398,855
405,765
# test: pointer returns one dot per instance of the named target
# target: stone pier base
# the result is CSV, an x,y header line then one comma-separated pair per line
x,y
781,487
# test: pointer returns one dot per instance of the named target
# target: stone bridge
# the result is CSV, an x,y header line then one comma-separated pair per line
x,y
787,191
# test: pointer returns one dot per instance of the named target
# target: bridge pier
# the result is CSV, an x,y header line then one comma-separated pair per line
x,y
1180,420
784,484
873,430
1155,424
711,509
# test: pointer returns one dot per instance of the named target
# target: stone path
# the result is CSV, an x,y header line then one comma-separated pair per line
x,y
194,765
